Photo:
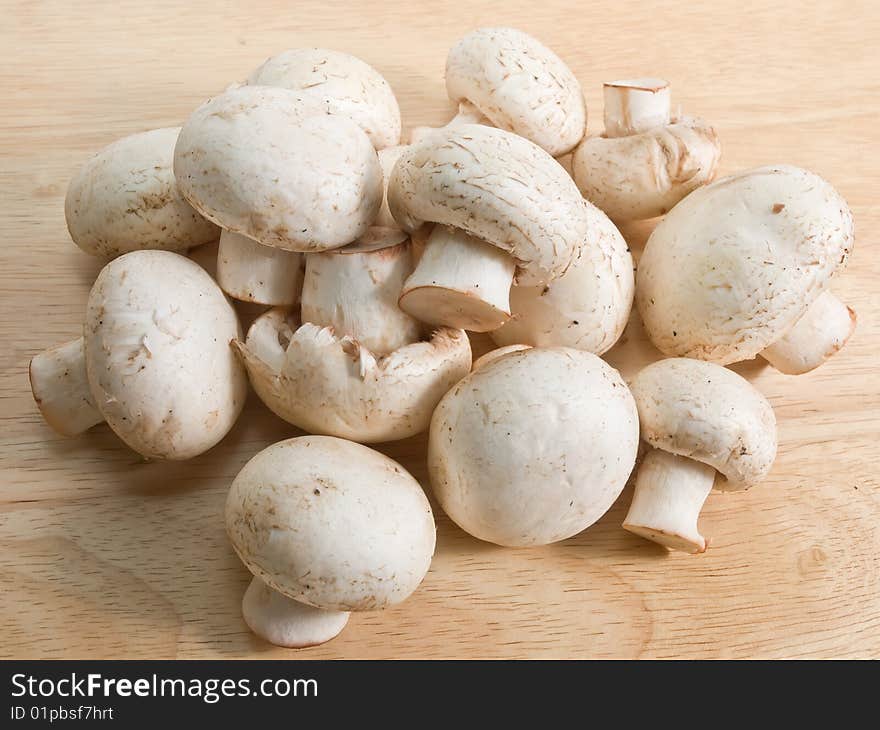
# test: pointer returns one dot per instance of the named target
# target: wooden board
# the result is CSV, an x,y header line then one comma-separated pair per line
x,y
102,555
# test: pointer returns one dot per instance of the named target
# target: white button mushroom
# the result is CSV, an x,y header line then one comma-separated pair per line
x,y
327,82
504,205
533,447
497,353
125,198
355,289
587,307
519,84
257,161
327,526
741,267
646,161
329,384
699,417
154,361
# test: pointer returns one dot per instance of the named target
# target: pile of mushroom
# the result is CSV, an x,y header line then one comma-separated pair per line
x,y
301,174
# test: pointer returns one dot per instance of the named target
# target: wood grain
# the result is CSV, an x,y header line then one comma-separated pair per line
x,y
102,555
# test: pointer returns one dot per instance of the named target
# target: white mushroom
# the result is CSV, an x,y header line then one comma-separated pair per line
x,y
257,161
343,84
325,383
533,447
495,354
355,289
508,206
327,524
252,272
647,160
519,84
741,267
154,361
587,307
699,417
125,198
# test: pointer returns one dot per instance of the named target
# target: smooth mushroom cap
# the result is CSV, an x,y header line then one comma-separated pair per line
x,y
533,447
331,523
644,175
495,186
344,84
261,162
496,354
327,384
285,622
587,307
125,198
520,85
157,335
734,265
710,414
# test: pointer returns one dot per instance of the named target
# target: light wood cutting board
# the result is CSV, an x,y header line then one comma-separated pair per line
x,y
102,555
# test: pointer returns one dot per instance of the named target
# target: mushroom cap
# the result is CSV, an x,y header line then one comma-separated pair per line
x,y
331,523
736,263
261,161
159,366
710,414
533,447
342,83
587,307
495,186
332,385
520,85
125,198
644,175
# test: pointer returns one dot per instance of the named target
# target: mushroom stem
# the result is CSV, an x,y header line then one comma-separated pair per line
x,y
669,494
61,388
387,159
467,114
252,272
355,290
461,282
285,622
635,105
817,335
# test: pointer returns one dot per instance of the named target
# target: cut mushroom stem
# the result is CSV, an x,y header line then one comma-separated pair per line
x,y
285,622
355,290
669,494
460,282
817,335
467,114
61,388
635,105
252,272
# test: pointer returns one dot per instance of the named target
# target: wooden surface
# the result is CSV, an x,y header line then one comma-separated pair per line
x,y
102,555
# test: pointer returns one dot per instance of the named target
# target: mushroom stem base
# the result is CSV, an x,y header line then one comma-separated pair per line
x,y
821,332
284,622
635,105
61,389
460,282
252,272
670,492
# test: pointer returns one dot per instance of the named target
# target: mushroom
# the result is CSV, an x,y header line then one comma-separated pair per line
x,y
326,526
706,424
331,384
504,205
519,84
587,307
154,360
327,82
495,354
741,267
354,290
533,447
252,272
258,161
125,198
647,160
